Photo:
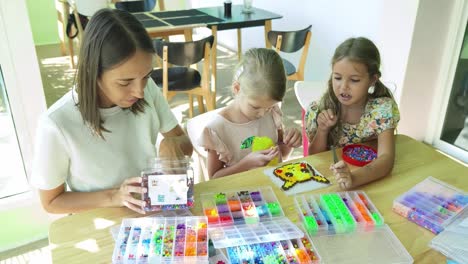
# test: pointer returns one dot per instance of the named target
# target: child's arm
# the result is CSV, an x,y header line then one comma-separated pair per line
x,y
325,121
216,168
287,141
375,170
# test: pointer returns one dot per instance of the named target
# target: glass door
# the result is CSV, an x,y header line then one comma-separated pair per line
x,y
453,137
13,175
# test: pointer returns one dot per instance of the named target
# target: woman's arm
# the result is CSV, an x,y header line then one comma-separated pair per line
x,y
58,201
378,168
175,144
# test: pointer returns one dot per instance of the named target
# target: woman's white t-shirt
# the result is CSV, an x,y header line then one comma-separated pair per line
x,y
67,151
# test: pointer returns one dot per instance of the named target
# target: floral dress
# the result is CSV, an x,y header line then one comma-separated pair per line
x,y
379,115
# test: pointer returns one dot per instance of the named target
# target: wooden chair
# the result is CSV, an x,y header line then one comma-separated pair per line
x,y
290,42
179,73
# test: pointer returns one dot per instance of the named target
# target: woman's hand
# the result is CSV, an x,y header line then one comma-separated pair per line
x,y
259,158
292,138
342,174
124,196
326,120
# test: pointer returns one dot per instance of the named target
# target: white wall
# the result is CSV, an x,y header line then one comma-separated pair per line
x,y
389,23
420,103
21,72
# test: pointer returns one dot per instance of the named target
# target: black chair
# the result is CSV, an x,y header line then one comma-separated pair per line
x,y
290,42
136,6
179,74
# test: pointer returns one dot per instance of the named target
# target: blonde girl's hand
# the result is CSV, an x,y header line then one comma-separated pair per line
x,y
326,120
125,194
342,174
292,138
260,158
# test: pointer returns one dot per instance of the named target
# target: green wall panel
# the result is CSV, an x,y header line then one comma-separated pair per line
x,y
43,19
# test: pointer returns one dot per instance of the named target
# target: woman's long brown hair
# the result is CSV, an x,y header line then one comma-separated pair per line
x,y
111,37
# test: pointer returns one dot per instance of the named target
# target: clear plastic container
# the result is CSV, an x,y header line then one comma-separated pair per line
x,y
300,250
243,217
379,245
169,183
162,240
431,204
341,212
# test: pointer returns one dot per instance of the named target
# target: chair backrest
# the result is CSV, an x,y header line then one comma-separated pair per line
x,y
183,53
136,6
292,41
195,128
308,91
89,7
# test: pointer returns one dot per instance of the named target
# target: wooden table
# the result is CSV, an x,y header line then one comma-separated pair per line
x,y
85,237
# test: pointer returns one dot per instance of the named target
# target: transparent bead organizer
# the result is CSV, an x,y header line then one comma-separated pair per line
x,y
377,245
341,212
169,183
431,204
283,251
245,217
349,223
162,240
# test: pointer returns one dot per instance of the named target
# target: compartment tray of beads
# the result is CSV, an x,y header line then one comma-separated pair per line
x,y
248,216
162,240
359,155
300,250
431,204
337,212
351,222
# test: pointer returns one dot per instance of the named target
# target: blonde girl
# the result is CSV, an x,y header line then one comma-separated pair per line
x,y
259,85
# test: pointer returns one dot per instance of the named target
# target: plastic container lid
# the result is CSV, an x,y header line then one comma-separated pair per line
x,y
359,155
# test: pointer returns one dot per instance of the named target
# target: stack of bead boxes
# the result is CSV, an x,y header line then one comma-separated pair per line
x,y
431,204
162,240
252,226
349,222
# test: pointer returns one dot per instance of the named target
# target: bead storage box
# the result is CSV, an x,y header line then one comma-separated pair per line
x,y
350,223
284,251
249,216
169,183
337,212
162,240
431,204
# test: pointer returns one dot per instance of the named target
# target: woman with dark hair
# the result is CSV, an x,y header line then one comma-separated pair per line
x,y
99,136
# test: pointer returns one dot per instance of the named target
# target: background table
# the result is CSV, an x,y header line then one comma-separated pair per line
x,y
166,23
85,237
